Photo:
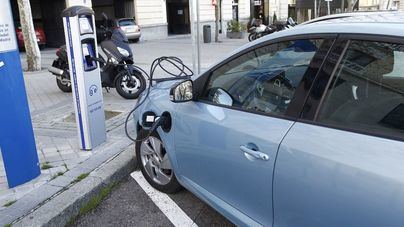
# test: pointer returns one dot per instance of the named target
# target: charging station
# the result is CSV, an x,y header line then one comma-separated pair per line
x,y
17,141
81,45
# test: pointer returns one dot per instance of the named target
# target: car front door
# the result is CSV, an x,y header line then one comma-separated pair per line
x,y
342,164
226,142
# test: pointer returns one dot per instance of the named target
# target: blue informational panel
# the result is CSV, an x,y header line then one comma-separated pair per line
x,y
17,142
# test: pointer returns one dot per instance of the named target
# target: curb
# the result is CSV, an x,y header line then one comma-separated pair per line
x,y
63,207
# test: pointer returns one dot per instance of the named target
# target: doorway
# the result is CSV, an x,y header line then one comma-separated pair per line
x,y
178,17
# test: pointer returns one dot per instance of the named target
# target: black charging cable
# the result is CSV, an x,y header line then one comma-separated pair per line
x,y
184,72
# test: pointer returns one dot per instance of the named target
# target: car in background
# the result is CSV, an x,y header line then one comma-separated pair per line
x,y
302,127
130,28
39,32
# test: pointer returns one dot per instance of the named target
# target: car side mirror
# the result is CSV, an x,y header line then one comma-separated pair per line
x,y
222,97
182,92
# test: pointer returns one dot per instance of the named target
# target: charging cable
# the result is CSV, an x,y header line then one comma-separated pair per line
x,y
183,72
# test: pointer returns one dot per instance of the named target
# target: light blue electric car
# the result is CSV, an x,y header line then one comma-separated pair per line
x,y
303,127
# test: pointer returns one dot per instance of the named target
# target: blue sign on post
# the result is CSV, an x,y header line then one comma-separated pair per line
x,y
17,142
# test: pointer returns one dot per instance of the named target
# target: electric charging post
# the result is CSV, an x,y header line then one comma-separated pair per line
x,y
81,45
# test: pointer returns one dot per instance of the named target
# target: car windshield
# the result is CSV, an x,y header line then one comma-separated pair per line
x,y
127,22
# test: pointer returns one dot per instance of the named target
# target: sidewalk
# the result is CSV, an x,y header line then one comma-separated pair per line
x,y
62,162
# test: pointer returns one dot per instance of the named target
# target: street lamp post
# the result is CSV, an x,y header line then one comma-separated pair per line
x,y
328,7
315,8
195,33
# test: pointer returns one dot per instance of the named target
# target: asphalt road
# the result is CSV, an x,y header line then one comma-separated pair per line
x,y
129,205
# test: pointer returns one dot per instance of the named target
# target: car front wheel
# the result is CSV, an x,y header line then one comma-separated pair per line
x,y
155,164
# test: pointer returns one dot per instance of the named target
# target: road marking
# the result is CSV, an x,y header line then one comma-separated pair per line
x,y
169,208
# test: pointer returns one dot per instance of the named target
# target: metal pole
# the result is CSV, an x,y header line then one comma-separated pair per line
x,y
328,6
315,9
198,37
194,5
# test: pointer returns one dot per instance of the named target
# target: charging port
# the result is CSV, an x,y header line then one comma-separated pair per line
x,y
166,126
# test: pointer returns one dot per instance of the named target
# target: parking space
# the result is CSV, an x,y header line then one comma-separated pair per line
x,y
130,205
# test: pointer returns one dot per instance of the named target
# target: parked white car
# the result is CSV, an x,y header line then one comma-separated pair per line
x,y
130,28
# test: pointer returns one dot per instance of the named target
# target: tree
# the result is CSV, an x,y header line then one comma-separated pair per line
x,y
30,40
217,11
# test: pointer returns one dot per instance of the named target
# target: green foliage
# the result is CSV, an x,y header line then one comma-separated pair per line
x,y
46,166
7,225
235,26
80,178
93,203
57,175
9,203
96,200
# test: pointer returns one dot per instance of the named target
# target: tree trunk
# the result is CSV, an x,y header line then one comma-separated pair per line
x,y
30,40
349,7
217,21
342,6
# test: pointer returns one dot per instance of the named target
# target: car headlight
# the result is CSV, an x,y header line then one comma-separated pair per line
x,y
124,52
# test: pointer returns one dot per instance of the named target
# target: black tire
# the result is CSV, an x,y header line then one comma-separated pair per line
x,y
252,37
140,85
172,186
135,40
64,87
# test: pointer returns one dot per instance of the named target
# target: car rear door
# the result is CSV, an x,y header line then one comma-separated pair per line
x,y
226,150
341,164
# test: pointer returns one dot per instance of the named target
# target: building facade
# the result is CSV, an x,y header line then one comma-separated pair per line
x,y
161,18
157,18
381,5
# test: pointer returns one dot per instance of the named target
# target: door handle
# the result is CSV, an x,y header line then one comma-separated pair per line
x,y
254,153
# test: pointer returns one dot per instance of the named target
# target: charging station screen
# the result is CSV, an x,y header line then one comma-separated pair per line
x,y
88,54
85,26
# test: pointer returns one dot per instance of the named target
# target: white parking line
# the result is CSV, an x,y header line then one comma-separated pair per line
x,y
169,208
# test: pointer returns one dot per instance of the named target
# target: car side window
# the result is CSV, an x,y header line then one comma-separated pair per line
x,y
262,80
367,91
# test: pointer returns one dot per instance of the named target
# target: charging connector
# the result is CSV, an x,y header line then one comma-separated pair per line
x,y
159,122
183,72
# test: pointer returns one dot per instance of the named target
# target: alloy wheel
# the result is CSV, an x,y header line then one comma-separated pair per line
x,y
155,161
130,86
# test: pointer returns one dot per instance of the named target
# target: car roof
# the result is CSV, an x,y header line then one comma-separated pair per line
x,y
362,17
389,23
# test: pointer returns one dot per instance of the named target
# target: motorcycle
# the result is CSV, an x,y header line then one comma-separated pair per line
x,y
263,30
116,72
259,31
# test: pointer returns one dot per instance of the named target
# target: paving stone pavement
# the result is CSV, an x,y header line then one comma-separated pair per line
x,y
52,111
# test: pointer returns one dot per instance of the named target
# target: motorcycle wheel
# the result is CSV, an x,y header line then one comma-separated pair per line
x,y
128,89
64,86
251,37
